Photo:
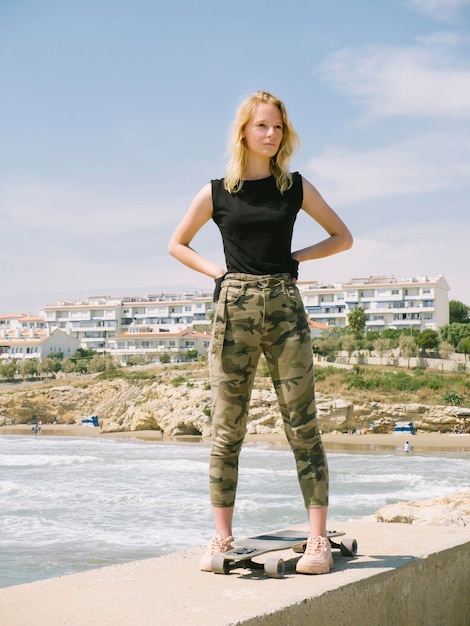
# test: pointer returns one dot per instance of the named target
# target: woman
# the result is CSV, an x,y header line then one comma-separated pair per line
x,y
259,310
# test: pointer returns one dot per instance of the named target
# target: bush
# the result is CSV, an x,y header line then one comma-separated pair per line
x,y
322,373
452,397
178,381
126,374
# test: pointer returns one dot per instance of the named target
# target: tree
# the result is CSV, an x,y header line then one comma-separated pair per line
x,y
8,370
110,363
380,346
29,368
50,365
81,366
327,345
393,334
192,354
83,353
68,366
349,344
464,346
445,349
357,320
428,339
453,333
408,347
96,364
459,312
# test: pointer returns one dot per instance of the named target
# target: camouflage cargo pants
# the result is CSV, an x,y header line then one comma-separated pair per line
x,y
255,315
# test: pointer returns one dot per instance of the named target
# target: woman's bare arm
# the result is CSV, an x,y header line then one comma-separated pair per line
x,y
340,238
199,213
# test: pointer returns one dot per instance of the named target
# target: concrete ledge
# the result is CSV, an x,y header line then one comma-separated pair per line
x,y
404,574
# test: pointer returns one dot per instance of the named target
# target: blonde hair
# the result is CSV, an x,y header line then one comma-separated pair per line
x,y
237,149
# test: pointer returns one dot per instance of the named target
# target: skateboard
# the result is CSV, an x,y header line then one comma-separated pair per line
x,y
245,550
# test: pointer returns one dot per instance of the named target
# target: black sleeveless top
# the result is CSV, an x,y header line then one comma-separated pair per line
x,y
256,224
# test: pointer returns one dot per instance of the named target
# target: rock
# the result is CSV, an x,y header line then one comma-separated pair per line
x,y
177,399
427,418
451,510
335,414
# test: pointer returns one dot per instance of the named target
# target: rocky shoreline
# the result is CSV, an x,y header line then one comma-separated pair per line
x,y
422,442
179,405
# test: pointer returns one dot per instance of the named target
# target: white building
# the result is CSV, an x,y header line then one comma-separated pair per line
x,y
173,339
181,308
388,302
90,321
35,343
21,320
95,320
112,324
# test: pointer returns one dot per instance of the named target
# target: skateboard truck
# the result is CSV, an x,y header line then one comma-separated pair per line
x,y
242,554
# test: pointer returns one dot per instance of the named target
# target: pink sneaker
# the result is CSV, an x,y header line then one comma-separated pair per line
x,y
317,558
217,545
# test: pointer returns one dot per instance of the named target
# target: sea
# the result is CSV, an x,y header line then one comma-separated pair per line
x,y
70,504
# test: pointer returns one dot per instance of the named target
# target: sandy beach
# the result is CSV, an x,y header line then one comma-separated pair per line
x,y
377,442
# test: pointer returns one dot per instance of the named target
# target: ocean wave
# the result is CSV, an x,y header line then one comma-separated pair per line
x,y
71,504
41,460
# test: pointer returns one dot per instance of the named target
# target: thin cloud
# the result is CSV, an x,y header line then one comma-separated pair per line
x,y
445,10
82,211
426,163
401,250
426,79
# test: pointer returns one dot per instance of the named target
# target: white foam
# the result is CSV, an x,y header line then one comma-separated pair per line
x,y
69,504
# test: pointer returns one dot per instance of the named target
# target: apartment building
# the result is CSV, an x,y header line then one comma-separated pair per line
x,y
115,325
171,339
91,321
187,308
388,302
144,323
21,320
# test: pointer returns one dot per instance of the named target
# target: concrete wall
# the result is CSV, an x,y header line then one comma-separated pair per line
x,y
403,575
433,591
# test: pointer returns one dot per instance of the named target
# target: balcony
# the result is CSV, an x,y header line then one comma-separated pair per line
x,y
375,323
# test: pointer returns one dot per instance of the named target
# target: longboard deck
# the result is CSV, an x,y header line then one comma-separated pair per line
x,y
257,545
246,549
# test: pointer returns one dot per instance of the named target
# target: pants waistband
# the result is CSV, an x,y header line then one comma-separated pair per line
x,y
258,280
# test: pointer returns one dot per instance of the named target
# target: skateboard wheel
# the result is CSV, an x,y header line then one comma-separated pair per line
x,y
220,564
274,567
348,546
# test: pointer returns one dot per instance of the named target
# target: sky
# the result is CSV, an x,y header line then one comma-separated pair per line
x,y
113,114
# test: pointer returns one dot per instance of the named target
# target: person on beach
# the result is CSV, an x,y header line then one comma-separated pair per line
x,y
259,310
